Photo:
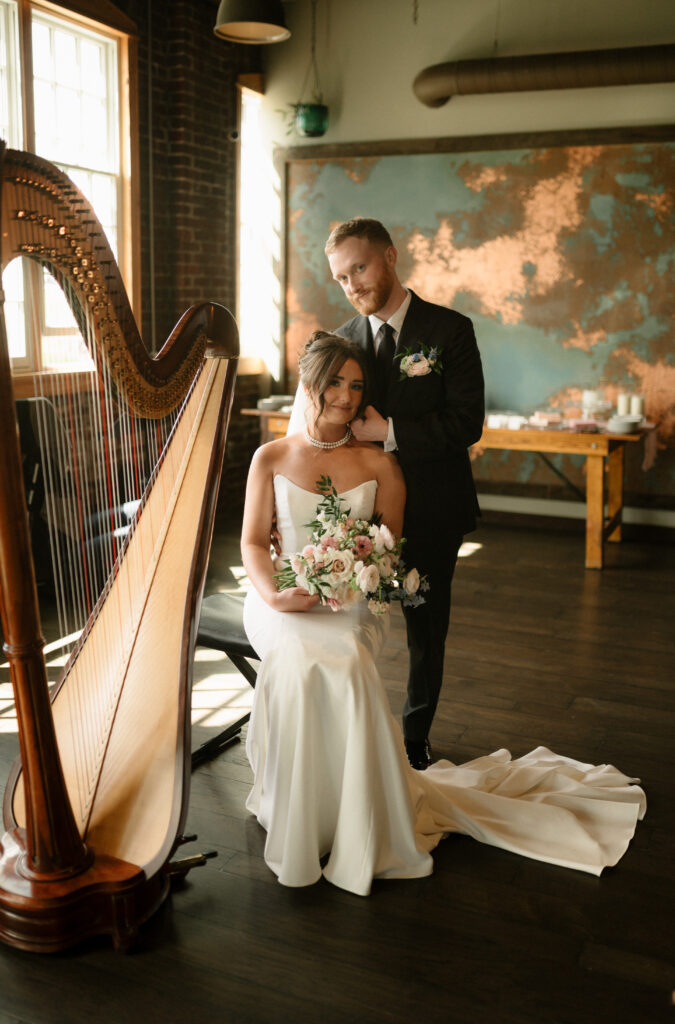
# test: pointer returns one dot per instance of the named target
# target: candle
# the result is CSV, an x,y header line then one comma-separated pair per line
x,y
623,405
637,405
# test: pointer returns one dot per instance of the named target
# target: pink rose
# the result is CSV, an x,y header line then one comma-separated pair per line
x,y
341,565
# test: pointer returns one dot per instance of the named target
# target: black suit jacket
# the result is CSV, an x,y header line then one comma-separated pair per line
x,y
436,417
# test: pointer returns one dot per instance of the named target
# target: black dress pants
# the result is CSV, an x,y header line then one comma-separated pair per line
x,y
427,627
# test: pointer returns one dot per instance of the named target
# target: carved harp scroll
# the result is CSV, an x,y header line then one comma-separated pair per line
x,y
95,805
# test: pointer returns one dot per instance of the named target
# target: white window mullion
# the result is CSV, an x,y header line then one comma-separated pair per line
x,y
10,76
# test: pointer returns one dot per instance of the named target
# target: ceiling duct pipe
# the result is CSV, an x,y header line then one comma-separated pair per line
x,y
577,70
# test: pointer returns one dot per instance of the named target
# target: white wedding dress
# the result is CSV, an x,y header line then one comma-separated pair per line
x,y
331,777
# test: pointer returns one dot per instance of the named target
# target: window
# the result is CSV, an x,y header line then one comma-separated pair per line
x,y
10,131
259,237
71,72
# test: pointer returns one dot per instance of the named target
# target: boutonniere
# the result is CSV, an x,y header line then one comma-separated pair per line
x,y
418,364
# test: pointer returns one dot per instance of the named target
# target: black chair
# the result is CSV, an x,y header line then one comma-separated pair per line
x,y
221,627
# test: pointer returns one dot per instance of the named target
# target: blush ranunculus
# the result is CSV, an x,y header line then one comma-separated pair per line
x,y
411,582
364,545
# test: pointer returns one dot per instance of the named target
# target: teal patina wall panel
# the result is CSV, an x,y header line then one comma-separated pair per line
x,y
561,254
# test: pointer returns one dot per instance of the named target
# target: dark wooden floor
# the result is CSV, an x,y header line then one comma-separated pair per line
x,y
541,651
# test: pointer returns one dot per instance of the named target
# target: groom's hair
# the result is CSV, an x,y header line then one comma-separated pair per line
x,y
321,360
358,227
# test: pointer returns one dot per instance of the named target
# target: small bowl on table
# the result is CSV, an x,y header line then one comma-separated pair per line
x,y
623,424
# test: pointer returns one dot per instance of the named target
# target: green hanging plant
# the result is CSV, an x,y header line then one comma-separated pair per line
x,y
308,118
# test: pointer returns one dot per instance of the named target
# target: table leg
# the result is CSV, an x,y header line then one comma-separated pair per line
x,y
615,490
595,510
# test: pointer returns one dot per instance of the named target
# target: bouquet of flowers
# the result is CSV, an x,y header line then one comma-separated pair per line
x,y
350,560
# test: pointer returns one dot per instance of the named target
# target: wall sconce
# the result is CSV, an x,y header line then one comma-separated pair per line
x,y
251,21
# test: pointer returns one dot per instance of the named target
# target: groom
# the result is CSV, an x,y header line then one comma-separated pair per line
x,y
427,409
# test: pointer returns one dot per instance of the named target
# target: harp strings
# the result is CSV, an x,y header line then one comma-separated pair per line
x,y
122,612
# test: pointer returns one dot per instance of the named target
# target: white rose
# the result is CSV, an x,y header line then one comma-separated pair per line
x,y
378,607
411,582
375,533
419,367
368,579
387,537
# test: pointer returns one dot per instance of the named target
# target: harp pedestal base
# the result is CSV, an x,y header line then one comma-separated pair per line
x,y
110,897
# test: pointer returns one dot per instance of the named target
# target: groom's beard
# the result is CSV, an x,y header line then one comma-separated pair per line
x,y
376,296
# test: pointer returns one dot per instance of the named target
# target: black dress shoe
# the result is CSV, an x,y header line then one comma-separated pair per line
x,y
419,754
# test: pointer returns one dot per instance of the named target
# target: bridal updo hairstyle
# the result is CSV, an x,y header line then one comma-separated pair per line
x,y
321,360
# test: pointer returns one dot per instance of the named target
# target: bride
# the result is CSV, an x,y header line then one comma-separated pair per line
x,y
332,785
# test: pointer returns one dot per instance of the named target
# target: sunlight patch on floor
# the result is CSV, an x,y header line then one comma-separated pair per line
x,y
239,573
220,694
469,548
7,710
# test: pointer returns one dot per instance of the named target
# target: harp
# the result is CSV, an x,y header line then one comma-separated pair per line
x,y
96,803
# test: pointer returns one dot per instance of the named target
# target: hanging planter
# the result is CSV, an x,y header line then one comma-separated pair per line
x,y
308,119
311,119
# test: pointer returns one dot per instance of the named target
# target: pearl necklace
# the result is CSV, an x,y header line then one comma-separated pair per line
x,y
328,444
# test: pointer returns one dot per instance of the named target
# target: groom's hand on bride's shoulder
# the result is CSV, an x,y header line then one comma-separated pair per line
x,y
371,426
295,599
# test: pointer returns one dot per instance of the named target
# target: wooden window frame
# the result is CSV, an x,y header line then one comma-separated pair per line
x,y
105,19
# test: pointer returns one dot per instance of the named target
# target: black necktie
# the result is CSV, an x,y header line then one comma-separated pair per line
x,y
384,358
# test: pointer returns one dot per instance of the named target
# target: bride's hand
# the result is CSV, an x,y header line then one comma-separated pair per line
x,y
294,599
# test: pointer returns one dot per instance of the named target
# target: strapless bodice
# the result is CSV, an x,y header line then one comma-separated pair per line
x,y
296,506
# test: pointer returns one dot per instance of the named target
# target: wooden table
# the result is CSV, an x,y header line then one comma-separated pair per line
x,y
273,424
599,450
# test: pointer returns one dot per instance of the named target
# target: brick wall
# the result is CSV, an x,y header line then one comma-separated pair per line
x,y
242,440
188,169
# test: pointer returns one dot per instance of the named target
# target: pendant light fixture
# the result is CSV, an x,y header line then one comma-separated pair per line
x,y
251,21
